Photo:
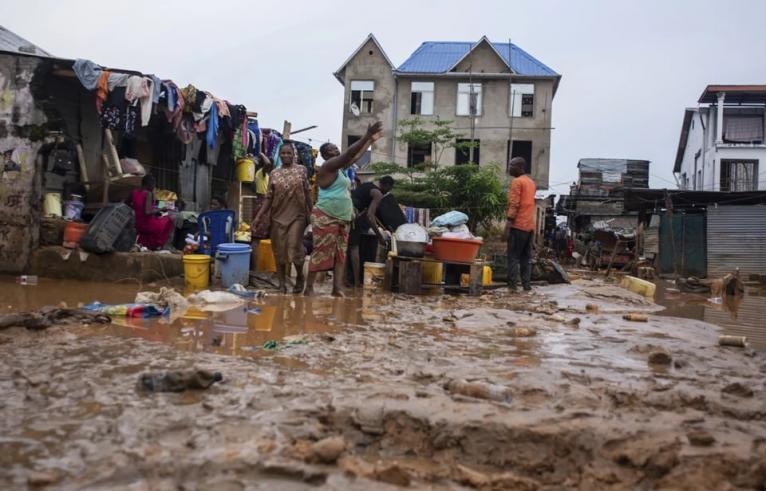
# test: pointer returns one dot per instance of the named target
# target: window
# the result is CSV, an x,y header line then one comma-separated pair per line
x,y
522,100
366,156
469,99
743,129
422,98
521,148
418,154
361,95
463,151
739,175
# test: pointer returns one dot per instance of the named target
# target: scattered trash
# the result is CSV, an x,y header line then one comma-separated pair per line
x,y
591,307
243,292
692,285
736,341
271,345
48,316
178,381
288,341
522,332
26,280
549,271
133,310
254,311
211,297
637,285
166,298
636,317
328,450
479,390
41,479
660,357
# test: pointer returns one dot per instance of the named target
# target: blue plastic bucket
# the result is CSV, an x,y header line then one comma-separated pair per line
x,y
233,262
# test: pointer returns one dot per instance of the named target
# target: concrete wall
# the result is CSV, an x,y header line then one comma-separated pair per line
x,y
482,59
19,189
703,140
370,64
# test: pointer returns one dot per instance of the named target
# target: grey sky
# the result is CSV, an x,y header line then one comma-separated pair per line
x,y
629,68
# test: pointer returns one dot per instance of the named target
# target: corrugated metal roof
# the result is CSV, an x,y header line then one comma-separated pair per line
x,y
441,56
10,41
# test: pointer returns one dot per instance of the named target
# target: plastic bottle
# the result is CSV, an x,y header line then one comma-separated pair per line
x,y
635,317
178,380
479,390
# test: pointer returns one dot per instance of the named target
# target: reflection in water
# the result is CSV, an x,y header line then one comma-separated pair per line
x,y
244,329
739,315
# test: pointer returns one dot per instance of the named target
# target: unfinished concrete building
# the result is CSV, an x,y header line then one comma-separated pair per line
x,y
498,96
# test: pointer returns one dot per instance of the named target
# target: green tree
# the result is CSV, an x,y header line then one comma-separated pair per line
x,y
440,136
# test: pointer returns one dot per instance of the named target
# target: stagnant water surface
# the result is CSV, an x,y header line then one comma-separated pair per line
x,y
244,329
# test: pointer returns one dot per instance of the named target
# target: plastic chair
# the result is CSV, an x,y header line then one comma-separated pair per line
x,y
215,227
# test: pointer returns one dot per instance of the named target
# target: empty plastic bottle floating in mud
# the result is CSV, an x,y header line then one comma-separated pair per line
x,y
178,381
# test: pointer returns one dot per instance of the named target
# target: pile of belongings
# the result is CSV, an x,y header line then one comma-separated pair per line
x,y
451,225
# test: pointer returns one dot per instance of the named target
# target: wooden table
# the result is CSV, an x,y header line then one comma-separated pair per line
x,y
404,275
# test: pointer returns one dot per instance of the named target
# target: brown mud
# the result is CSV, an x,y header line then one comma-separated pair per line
x,y
385,391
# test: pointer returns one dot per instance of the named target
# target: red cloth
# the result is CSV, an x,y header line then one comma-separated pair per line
x,y
153,231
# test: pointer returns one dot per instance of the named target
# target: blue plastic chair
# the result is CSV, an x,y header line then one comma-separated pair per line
x,y
215,227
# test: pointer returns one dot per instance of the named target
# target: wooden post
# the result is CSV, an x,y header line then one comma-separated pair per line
x,y
83,166
477,273
388,278
112,152
286,130
410,277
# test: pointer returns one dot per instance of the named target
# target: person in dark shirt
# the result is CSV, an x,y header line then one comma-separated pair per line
x,y
366,198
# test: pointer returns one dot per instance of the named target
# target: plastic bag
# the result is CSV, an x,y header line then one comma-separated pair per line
x,y
132,166
450,219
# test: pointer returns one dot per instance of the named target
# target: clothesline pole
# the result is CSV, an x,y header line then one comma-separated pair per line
x,y
286,130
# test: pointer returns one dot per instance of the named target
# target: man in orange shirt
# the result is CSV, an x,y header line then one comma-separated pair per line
x,y
520,226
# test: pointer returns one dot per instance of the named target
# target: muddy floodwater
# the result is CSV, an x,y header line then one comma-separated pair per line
x,y
549,390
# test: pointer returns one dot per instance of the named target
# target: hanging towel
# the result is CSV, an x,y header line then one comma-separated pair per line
x,y
88,73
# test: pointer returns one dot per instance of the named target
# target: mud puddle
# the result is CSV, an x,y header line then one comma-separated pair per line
x,y
740,316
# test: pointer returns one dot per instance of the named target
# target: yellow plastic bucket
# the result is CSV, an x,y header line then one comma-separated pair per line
x,y
431,272
486,276
374,273
637,285
245,170
196,271
266,261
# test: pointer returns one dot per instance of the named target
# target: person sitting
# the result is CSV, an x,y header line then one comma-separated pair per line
x,y
217,203
154,230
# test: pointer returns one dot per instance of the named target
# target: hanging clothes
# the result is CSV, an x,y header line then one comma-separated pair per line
x,y
238,149
156,88
189,94
139,89
212,126
117,80
88,73
255,147
103,90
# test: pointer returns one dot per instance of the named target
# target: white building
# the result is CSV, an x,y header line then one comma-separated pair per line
x,y
724,150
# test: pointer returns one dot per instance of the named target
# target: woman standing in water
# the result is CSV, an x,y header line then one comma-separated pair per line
x,y
331,217
287,206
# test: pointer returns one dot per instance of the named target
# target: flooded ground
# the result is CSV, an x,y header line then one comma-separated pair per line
x,y
550,390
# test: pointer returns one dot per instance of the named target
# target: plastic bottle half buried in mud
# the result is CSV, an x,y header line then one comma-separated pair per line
x,y
737,341
636,317
479,390
178,381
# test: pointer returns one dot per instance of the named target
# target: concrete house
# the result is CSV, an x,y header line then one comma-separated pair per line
x,y
722,146
497,95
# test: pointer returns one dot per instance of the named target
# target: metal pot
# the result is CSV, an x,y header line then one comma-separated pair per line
x,y
410,249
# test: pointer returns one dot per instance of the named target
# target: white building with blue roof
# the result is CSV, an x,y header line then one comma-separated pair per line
x,y
497,95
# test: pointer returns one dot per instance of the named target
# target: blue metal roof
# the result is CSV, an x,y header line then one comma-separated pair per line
x,y
441,56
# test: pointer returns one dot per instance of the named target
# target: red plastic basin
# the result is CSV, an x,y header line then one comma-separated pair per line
x,y
456,250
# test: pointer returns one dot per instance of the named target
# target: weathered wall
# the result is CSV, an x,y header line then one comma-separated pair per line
x,y
19,179
370,64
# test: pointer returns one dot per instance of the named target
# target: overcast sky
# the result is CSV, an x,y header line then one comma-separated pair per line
x,y
629,67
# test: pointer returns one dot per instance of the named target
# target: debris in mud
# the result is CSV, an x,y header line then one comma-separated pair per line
x,y
40,479
700,438
165,298
522,332
739,390
736,341
286,342
660,357
506,480
211,297
5,339
388,472
178,381
328,450
48,316
636,317
479,390
591,307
